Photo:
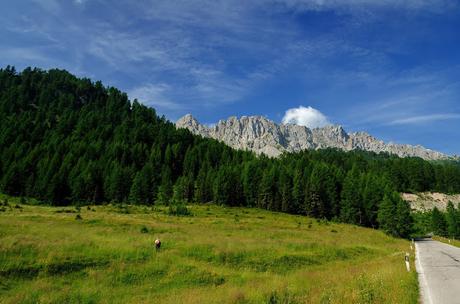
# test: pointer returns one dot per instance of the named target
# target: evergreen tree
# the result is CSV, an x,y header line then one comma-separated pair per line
x,y
180,190
117,184
165,190
452,221
250,178
403,216
285,189
438,222
267,189
142,187
394,215
386,215
351,211
298,193
201,192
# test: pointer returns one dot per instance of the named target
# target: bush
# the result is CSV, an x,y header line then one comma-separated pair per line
x,y
78,217
144,229
179,209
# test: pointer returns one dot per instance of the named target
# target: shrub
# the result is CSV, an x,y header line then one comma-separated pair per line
x,y
78,217
179,209
144,229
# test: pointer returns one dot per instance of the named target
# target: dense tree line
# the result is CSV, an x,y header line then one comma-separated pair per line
x,y
446,224
66,140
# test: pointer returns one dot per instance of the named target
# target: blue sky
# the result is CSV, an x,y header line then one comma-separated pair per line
x,y
391,68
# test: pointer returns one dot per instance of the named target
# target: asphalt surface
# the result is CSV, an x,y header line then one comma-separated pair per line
x,y
438,268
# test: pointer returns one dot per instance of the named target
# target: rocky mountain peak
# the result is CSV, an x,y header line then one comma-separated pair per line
x,y
188,120
261,135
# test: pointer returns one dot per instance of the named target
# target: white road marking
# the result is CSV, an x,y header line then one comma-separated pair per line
x,y
425,289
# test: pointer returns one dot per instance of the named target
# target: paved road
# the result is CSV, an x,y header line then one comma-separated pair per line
x,y
438,267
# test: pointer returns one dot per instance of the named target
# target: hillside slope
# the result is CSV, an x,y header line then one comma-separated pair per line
x,y
428,200
65,140
219,255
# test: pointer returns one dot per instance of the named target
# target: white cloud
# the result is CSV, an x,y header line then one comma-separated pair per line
x,y
305,116
423,119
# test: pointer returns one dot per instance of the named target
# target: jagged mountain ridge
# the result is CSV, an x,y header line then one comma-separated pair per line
x,y
262,135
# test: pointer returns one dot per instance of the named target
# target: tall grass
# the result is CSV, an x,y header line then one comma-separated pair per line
x,y
216,255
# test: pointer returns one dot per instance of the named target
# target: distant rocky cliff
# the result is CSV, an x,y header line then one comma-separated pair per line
x,y
262,135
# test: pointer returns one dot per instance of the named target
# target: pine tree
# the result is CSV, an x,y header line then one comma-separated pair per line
x,y
141,189
285,189
394,215
452,217
403,216
180,190
201,192
438,222
165,190
119,183
267,189
351,201
373,192
298,190
386,215
250,179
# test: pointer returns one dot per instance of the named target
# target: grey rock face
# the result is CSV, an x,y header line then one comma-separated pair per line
x,y
261,135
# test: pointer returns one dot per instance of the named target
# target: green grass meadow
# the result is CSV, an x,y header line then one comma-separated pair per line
x,y
217,255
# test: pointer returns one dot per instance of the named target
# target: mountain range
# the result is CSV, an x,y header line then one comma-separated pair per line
x,y
261,135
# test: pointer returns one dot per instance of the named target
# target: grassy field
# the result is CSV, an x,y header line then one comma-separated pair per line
x,y
217,255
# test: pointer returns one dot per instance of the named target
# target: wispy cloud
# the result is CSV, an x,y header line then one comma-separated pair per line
x,y
50,6
362,5
424,119
411,97
155,95
178,55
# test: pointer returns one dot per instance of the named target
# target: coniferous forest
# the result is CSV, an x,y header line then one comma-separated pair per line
x,y
65,140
